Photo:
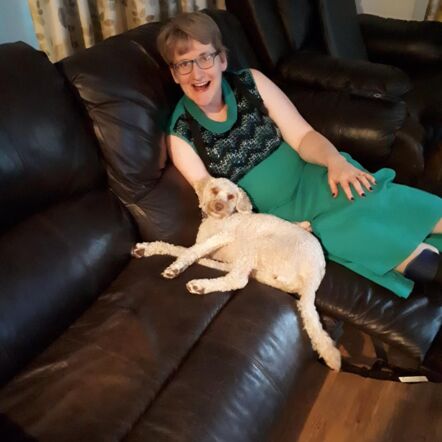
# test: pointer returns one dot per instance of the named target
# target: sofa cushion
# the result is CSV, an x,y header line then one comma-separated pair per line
x,y
410,44
240,54
256,18
149,361
342,34
47,152
301,22
64,237
52,267
121,87
108,367
251,377
356,77
374,123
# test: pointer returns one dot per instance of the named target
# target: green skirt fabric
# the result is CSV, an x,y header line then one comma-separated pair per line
x,y
370,235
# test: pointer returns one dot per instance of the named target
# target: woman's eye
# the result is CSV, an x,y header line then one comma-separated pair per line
x,y
183,64
230,196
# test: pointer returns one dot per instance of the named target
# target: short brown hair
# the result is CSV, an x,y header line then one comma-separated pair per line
x,y
177,33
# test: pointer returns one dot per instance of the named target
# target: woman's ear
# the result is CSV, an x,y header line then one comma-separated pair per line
x,y
174,76
223,60
243,204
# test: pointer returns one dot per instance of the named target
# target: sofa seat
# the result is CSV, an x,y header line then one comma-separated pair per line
x,y
150,361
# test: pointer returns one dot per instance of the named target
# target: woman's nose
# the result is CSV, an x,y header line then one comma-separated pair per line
x,y
197,72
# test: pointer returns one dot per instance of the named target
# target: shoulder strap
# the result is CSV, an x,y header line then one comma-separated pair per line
x,y
245,92
197,138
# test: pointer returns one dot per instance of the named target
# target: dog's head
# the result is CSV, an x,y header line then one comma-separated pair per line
x,y
219,197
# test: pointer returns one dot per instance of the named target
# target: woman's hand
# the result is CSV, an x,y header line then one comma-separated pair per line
x,y
340,171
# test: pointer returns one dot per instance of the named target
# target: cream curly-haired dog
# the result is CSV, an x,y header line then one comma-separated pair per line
x,y
278,253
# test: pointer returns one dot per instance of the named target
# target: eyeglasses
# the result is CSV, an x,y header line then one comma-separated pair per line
x,y
204,61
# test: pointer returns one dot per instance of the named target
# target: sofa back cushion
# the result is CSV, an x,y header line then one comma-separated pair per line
x,y
263,26
123,89
47,152
301,23
342,34
240,54
64,236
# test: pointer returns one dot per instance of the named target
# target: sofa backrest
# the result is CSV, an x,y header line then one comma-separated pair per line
x,y
263,25
277,27
342,34
129,96
63,235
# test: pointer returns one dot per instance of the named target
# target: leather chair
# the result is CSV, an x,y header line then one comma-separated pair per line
x,y
414,47
316,51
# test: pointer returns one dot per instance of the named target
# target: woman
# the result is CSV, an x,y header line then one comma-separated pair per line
x,y
243,127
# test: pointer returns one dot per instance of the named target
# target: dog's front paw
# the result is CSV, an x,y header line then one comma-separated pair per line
x,y
138,250
306,225
196,287
171,272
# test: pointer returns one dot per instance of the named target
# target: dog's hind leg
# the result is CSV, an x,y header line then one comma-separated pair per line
x,y
321,341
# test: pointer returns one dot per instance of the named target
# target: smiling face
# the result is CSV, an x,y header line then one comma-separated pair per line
x,y
202,86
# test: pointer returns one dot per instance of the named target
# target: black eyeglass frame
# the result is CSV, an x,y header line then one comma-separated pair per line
x,y
174,66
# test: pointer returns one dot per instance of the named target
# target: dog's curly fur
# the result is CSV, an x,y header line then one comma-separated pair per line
x,y
278,253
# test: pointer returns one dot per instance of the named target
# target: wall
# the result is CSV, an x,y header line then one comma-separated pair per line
x,y
403,9
16,23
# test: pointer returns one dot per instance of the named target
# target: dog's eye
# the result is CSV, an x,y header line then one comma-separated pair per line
x,y
215,190
230,196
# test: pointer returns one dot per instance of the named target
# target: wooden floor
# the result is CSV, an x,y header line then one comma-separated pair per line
x,y
351,408
355,409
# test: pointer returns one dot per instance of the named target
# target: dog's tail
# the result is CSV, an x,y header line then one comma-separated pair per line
x,y
164,248
321,341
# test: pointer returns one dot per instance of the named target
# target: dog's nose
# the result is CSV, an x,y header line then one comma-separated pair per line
x,y
219,206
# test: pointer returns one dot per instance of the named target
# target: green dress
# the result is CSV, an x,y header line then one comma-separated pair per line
x,y
370,235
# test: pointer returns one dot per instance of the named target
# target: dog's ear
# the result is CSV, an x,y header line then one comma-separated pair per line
x,y
199,187
243,204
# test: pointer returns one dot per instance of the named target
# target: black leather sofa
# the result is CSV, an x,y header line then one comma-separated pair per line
x,y
96,346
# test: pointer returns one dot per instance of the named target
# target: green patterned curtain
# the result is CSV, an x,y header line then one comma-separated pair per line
x,y
63,26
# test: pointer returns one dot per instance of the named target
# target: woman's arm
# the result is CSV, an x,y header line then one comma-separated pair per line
x,y
186,160
310,145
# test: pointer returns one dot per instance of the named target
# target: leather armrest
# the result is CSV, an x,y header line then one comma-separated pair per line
x,y
410,325
357,77
363,127
407,44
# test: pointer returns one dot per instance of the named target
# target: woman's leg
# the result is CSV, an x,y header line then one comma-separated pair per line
x,y
423,265
419,249
438,227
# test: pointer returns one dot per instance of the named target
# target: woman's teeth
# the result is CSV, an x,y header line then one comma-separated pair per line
x,y
201,86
